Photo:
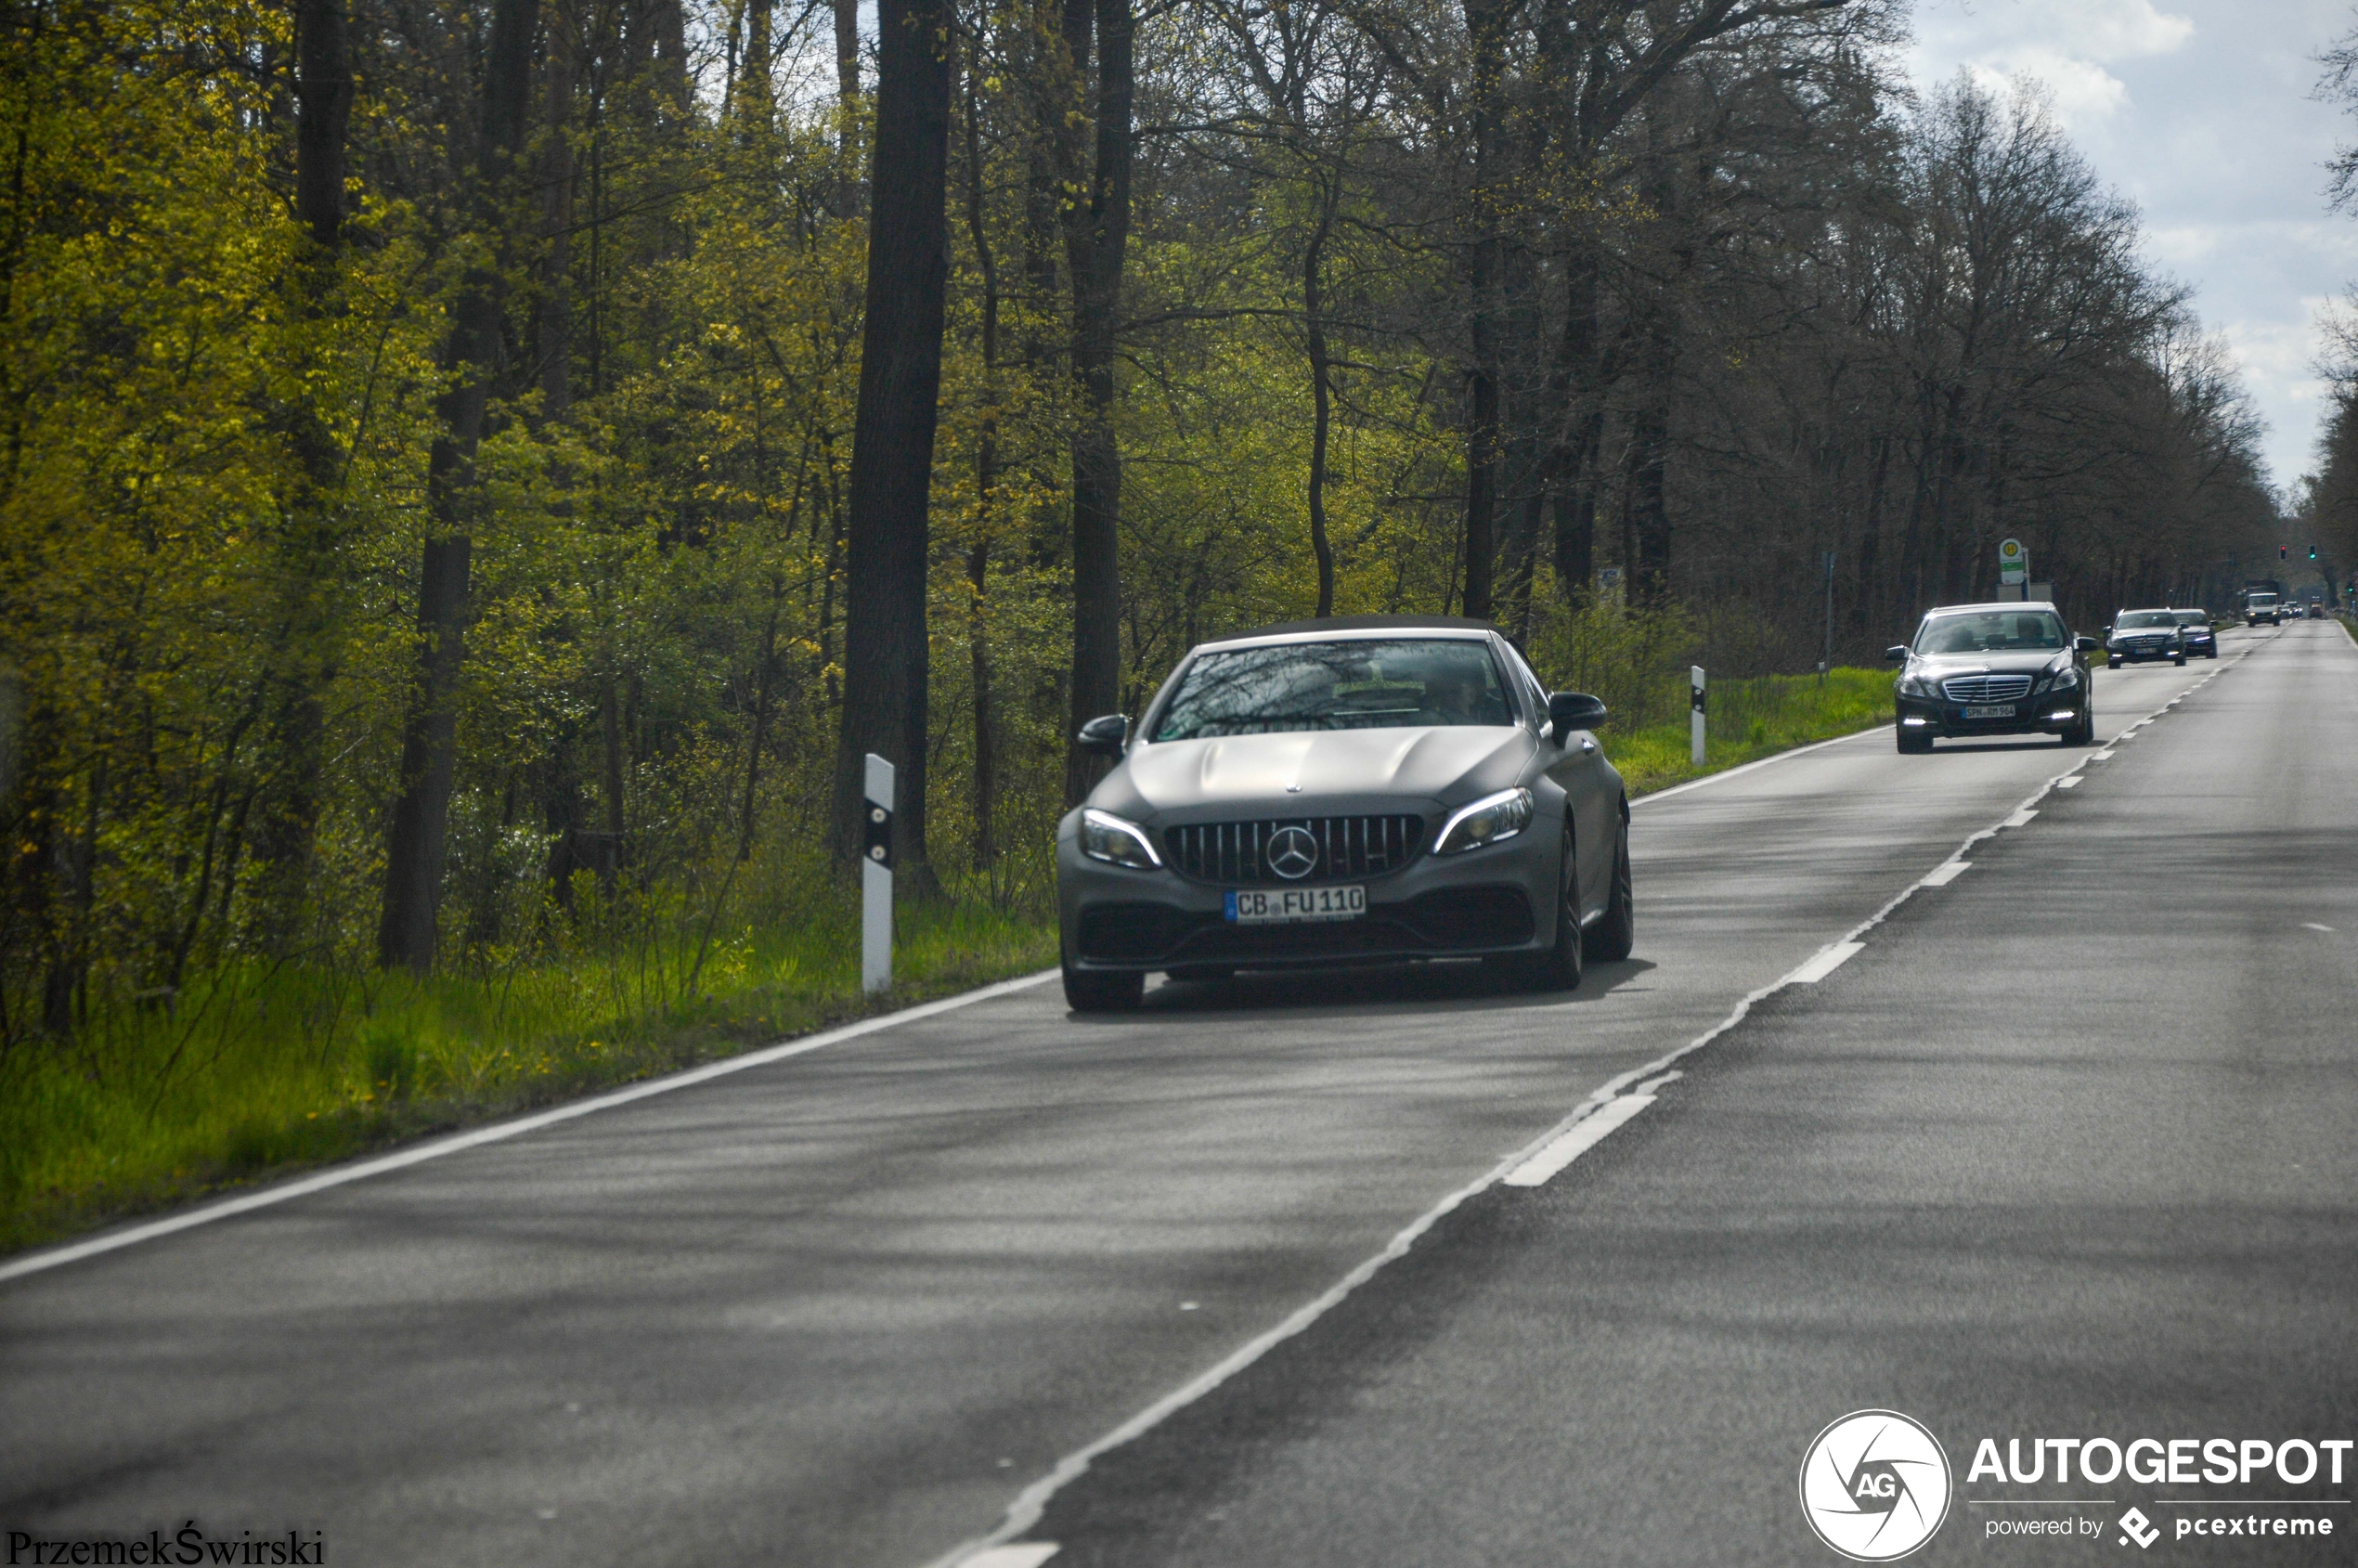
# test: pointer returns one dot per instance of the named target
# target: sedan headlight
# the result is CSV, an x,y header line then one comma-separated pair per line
x,y
1917,686
1105,836
2065,680
1487,820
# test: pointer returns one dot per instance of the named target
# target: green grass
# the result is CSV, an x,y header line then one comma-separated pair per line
x,y
1749,720
261,1070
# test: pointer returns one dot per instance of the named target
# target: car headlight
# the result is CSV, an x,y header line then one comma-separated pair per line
x,y
1105,836
2063,680
1487,820
1916,686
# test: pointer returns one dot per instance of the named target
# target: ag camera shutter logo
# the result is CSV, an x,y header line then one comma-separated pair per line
x,y
1875,1485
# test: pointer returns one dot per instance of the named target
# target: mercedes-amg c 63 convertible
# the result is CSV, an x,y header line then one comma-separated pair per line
x,y
1366,789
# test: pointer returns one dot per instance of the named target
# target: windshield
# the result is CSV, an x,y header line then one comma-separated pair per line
x,y
1371,685
1991,631
2131,619
2194,618
2261,601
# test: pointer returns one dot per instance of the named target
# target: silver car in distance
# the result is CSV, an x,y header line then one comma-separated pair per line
x,y
1366,789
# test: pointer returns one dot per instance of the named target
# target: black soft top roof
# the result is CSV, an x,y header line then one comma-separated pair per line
x,y
1359,623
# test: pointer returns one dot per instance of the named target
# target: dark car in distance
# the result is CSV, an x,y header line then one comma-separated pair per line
x,y
2138,635
2011,668
1363,789
2193,628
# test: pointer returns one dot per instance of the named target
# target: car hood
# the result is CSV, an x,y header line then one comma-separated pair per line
x,y
1330,767
2134,632
1946,667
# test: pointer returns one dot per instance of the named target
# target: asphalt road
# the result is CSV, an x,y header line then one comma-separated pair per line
x,y
841,1309
2070,1149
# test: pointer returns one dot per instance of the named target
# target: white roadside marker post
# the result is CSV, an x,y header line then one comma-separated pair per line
x,y
1694,701
876,881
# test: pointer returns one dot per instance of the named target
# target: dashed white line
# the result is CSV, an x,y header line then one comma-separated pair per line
x,y
1018,1554
1824,964
1584,1136
2312,925
1945,873
2071,783
2020,819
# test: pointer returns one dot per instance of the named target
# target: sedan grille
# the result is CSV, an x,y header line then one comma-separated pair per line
x,y
1985,688
1340,847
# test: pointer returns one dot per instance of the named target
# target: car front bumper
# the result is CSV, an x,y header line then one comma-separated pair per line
x,y
1497,901
2049,713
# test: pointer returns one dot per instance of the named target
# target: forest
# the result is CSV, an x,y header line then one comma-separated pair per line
x,y
445,530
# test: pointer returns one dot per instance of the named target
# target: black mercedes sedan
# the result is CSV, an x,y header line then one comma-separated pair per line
x,y
2137,635
2011,668
2194,630
1364,789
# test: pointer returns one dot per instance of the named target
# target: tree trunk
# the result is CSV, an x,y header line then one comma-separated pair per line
x,y
885,654
415,841
986,848
1485,27
1315,326
1096,239
304,663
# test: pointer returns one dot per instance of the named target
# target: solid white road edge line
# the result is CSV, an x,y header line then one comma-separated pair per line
x,y
1735,772
1031,1502
498,1132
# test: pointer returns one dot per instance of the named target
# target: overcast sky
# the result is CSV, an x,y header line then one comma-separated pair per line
x,y
2198,111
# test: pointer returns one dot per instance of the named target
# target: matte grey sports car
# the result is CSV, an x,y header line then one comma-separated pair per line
x,y
1364,789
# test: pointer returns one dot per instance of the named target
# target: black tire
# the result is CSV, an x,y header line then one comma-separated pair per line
x,y
2084,732
1610,940
1093,991
2179,661
2112,664
1558,969
1913,745
2212,652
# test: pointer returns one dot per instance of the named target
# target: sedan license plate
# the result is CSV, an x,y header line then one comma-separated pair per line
x,y
1992,710
1283,905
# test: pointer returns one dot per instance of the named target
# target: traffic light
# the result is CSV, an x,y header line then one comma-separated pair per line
x,y
2284,552
2313,553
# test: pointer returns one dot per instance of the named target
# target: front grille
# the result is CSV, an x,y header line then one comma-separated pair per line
x,y
1985,688
1238,853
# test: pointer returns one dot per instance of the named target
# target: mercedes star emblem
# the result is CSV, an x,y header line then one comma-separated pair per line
x,y
1293,854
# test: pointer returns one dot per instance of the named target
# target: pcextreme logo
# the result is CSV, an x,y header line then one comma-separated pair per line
x,y
1875,1485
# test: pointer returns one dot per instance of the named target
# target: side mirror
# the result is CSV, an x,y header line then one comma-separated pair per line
x,y
1105,735
2085,645
1896,655
1574,710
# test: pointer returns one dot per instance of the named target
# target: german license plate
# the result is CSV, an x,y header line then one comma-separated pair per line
x,y
1285,905
1992,710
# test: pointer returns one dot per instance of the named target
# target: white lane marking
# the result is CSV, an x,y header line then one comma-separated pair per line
x,y
1021,1554
1032,1501
2312,925
1585,1135
1945,873
1733,773
2071,783
2104,756
1824,964
500,1132
1025,1511
2020,819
